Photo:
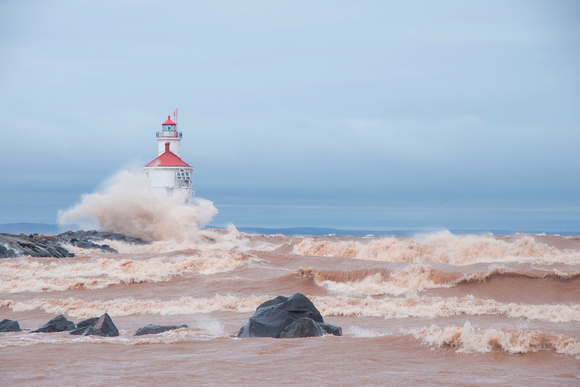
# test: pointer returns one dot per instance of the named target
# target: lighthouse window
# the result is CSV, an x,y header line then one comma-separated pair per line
x,y
183,175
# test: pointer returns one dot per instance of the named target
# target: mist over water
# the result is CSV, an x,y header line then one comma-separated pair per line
x,y
125,204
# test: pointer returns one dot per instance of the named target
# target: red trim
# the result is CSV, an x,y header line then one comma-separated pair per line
x,y
169,122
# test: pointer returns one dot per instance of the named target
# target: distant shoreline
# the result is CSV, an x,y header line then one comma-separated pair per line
x,y
53,229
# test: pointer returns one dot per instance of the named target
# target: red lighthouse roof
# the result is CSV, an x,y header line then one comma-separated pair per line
x,y
169,122
167,159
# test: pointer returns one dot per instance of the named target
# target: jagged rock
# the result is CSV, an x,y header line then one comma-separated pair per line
x,y
84,331
57,324
9,326
281,314
153,329
36,246
103,326
88,322
85,244
64,253
123,238
5,253
331,329
96,236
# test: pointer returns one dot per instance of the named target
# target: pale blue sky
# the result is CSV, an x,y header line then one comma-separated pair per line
x,y
361,114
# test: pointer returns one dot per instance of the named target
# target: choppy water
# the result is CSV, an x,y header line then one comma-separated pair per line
x,y
429,309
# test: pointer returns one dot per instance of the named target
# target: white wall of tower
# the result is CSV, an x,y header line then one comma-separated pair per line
x,y
164,182
174,145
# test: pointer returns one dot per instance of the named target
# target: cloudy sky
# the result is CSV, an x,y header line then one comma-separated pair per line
x,y
347,114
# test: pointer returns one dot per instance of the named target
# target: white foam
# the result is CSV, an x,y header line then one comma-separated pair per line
x,y
468,338
28,275
441,247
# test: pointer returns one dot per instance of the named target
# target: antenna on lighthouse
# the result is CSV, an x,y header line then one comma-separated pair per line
x,y
175,118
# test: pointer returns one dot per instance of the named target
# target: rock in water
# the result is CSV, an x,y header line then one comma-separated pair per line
x,y
303,327
106,326
57,324
102,326
153,329
88,322
51,246
331,329
282,314
9,326
5,253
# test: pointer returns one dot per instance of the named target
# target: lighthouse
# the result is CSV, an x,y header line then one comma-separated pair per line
x,y
168,174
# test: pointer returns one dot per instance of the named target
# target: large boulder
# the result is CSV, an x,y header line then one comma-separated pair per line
x,y
57,324
153,329
97,326
9,326
287,317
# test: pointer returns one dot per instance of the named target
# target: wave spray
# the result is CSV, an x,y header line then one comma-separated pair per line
x,y
127,205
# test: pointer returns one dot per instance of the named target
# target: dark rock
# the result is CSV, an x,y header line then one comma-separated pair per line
x,y
103,326
97,236
88,322
57,324
122,238
33,245
331,329
84,331
87,245
303,327
64,253
50,246
108,249
279,314
153,329
5,253
9,326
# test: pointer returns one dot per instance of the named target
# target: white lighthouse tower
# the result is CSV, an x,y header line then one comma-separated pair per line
x,y
168,174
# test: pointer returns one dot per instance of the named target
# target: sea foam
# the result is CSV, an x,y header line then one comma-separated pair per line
x,y
442,247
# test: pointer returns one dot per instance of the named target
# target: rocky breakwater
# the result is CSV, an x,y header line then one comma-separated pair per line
x,y
288,317
51,246
96,326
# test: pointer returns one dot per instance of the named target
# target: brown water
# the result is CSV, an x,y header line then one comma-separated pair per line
x,y
434,309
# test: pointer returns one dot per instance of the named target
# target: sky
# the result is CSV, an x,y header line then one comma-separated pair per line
x,y
345,114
